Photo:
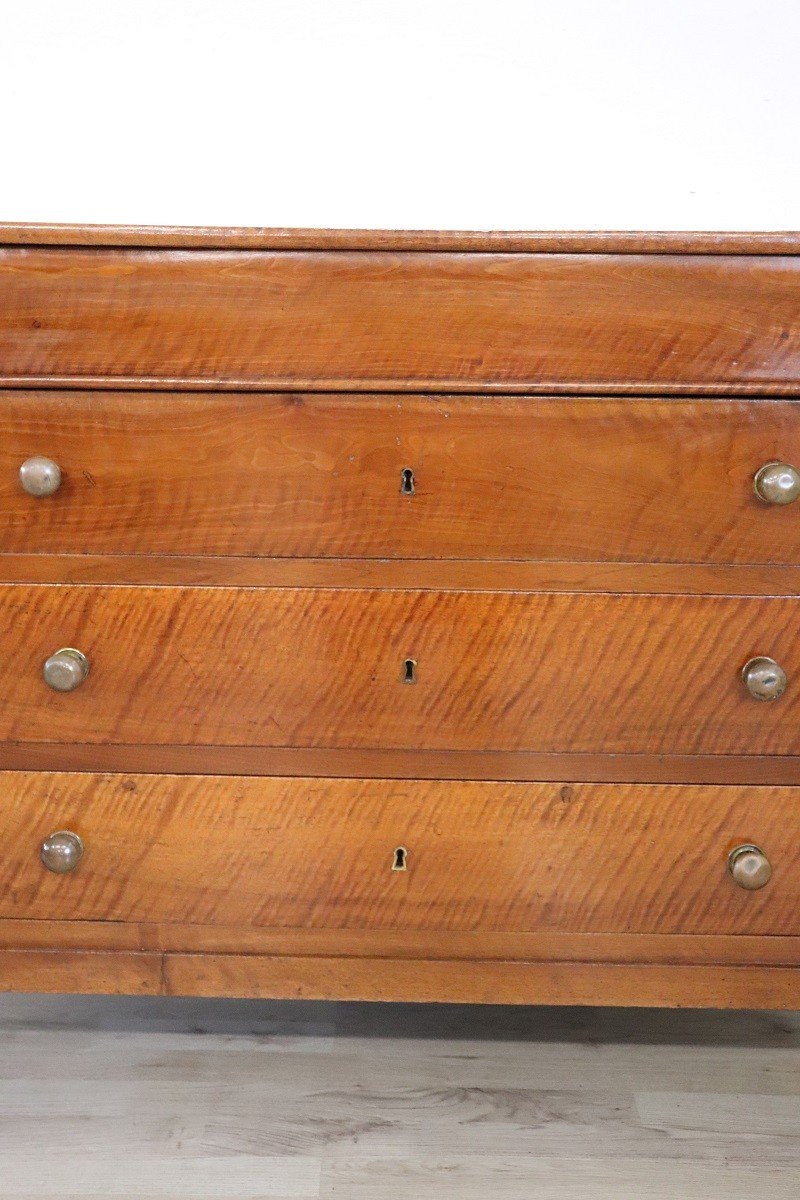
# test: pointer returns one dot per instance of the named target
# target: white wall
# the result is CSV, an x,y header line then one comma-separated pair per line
x,y
416,114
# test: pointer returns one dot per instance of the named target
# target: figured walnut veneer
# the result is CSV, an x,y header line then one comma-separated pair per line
x,y
400,320
407,549
318,476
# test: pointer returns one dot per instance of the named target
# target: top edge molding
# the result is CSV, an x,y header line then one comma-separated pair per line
x,y
244,238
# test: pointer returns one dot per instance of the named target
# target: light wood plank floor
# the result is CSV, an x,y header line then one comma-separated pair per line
x,y
241,1100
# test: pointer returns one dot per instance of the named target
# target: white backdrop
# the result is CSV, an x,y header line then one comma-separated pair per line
x,y
449,114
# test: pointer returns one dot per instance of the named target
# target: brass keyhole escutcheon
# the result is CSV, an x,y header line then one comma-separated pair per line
x,y
400,859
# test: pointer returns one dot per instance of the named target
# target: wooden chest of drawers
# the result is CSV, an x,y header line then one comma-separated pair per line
x,y
401,616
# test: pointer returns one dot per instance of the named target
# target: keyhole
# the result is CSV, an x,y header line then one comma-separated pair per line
x,y
407,482
400,859
410,670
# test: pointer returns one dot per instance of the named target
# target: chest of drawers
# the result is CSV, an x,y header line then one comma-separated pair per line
x,y
400,616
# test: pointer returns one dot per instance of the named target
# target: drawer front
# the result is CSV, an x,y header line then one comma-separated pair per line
x,y
410,321
321,853
327,476
400,669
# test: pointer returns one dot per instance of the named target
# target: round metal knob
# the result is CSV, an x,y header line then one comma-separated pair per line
x,y
764,678
65,670
40,476
61,852
750,867
777,483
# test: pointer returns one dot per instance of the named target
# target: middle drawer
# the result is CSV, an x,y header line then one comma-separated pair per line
x,y
352,476
443,670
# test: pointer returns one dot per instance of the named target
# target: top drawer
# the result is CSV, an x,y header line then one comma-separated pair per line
x,y
401,320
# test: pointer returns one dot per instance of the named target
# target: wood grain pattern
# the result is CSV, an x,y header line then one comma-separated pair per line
x,y
120,973
317,668
429,981
407,321
320,476
578,582
357,763
453,241
170,937
318,854
435,981
405,574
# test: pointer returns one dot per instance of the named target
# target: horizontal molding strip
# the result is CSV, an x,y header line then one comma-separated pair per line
x,y
421,980
425,386
408,574
450,241
169,937
514,766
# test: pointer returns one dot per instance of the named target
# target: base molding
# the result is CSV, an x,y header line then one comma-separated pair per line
x,y
401,979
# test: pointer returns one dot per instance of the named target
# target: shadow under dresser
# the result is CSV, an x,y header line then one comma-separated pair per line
x,y
401,616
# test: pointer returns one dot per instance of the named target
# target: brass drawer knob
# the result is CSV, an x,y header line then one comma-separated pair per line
x,y
40,476
750,867
777,483
62,851
65,670
764,678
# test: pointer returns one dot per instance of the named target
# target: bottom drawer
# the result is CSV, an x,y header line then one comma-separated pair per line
x,y
399,855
